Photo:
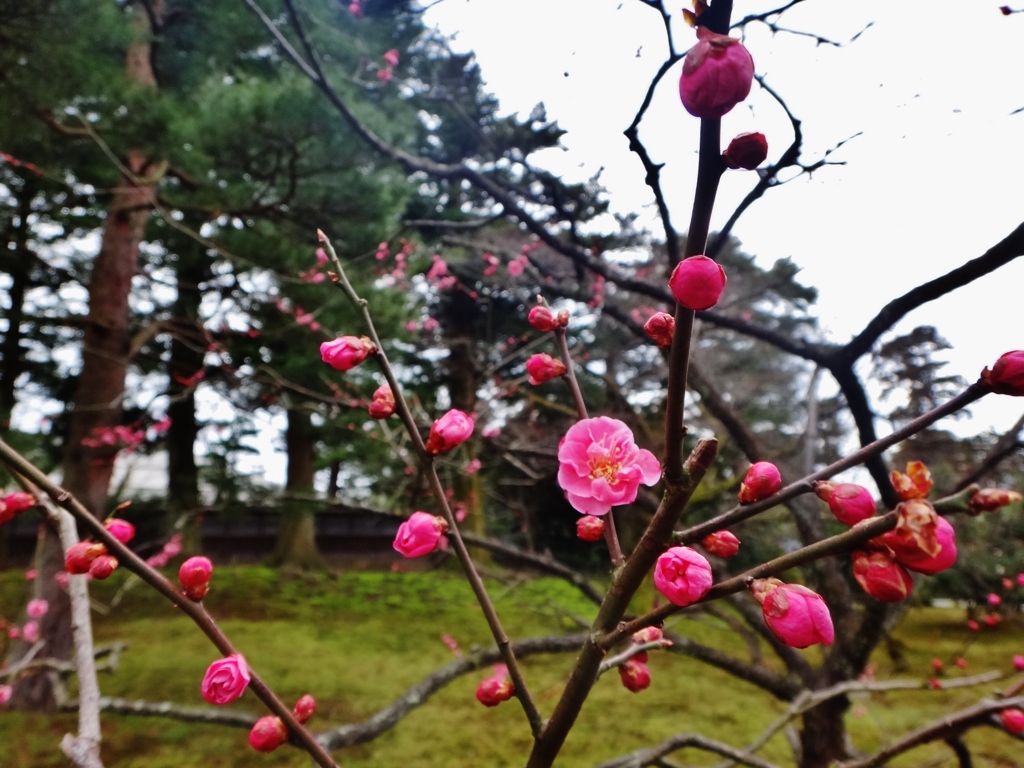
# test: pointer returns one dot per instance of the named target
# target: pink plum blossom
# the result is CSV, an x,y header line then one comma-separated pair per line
x,y
420,535
723,544
1013,720
697,282
635,675
226,679
795,614
120,529
449,431
391,57
194,576
1018,663
37,608
542,319
304,708
717,74
473,467
30,631
383,403
911,554
683,575
5,694
993,599
600,466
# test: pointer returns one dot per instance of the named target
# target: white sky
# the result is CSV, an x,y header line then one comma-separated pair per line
x,y
935,179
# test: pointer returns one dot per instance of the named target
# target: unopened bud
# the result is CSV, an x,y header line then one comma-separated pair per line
x,y
746,151
194,577
268,734
761,481
590,528
1007,376
304,708
721,544
660,327
542,319
850,503
697,282
635,675
80,556
991,499
102,567
120,529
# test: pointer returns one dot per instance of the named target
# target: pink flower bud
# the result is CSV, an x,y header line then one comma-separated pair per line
x,y
450,430
635,675
850,503
683,575
37,608
1007,376
973,625
420,534
30,631
1007,583
102,567
19,501
937,665
590,528
226,679
383,403
1013,720
717,74
660,327
6,692
721,544
268,734
992,619
494,690
647,635
934,683
542,319
916,527
913,555
1020,579
544,367
80,556
746,151
881,576
304,708
761,481
991,499
961,662
915,484
391,57
697,282
794,614
194,577
120,529
993,599
1018,663
346,352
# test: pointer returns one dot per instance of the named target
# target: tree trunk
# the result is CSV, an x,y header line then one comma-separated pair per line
x,y
296,539
100,389
823,736
188,349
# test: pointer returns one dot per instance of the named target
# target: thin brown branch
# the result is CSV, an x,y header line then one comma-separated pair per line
x,y
651,756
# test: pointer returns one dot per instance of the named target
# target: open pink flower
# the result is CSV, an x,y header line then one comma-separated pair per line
x,y
449,431
683,575
601,467
795,614
420,534
226,679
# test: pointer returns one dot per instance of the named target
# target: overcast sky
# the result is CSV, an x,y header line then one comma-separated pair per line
x,y
934,179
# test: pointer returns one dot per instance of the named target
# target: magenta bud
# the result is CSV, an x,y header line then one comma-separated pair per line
x,y
850,503
717,74
544,367
420,534
494,690
194,577
660,327
881,576
682,575
268,734
383,403
1007,375
635,675
80,556
449,431
1013,720
304,708
795,614
346,352
542,319
761,481
120,529
102,567
697,282
590,528
746,151
721,544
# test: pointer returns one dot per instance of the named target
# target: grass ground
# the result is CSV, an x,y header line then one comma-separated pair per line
x,y
358,640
